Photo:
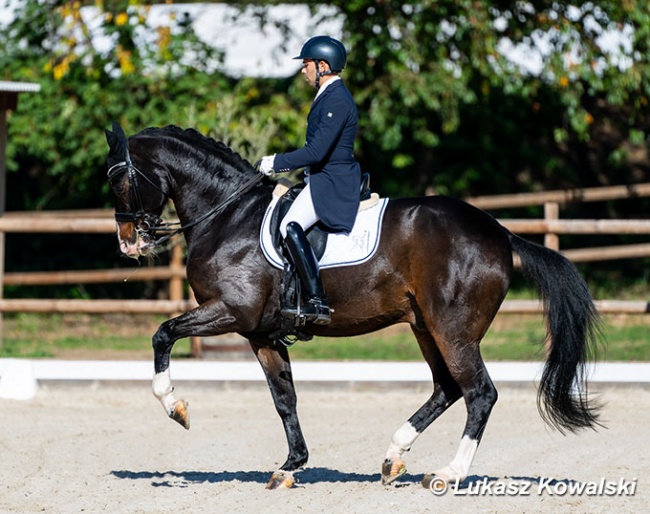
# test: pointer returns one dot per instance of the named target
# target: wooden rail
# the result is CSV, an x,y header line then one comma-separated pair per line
x,y
48,278
596,194
100,221
96,306
552,226
577,226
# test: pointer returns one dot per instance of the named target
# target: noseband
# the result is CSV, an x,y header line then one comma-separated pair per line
x,y
150,223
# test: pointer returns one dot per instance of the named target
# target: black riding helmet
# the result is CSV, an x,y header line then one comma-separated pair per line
x,y
325,48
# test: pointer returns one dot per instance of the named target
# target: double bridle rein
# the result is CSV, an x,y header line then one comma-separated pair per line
x,y
150,223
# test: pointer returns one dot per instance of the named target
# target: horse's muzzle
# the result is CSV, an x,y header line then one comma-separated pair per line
x,y
133,243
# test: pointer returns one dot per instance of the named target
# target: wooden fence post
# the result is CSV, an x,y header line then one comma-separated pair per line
x,y
196,342
175,265
552,213
176,283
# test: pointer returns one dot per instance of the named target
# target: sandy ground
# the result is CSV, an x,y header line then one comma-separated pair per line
x,y
108,448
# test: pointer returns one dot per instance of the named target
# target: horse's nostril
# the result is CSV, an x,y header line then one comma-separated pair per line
x,y
127,232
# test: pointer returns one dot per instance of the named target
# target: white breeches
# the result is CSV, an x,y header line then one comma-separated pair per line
x,y
301,211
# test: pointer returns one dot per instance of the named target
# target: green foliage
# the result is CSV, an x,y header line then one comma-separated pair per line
x,y
144,78
441,108
432,83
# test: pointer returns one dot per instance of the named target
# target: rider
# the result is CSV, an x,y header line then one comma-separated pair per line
x,y
332,175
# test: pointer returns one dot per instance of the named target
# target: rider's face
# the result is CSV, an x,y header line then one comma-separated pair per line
x,y
309,70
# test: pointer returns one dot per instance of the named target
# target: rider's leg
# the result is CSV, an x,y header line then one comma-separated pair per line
x,y
301,216
303,258
301,211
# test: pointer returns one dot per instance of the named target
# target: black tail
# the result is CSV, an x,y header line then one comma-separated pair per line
x,y
573,329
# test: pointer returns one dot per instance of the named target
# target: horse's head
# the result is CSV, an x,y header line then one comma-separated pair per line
x,y
139,196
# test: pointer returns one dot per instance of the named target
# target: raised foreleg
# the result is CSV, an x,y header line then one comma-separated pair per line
x,y
277,368
207,319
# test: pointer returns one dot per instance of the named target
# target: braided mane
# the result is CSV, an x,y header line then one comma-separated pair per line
x,y
192,139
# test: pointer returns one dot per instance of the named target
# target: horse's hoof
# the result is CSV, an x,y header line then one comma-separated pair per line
x,y
439,481
281,480
180,413
391,470
431,482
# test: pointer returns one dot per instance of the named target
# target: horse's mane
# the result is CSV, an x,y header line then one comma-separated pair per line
x,y
194,140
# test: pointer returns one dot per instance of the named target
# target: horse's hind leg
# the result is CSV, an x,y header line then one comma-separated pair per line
x,y
445,393
277,368
468,370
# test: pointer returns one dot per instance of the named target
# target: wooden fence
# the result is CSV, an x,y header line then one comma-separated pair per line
x,y
101,222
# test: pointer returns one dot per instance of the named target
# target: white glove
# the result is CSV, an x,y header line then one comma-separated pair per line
x,y
265,165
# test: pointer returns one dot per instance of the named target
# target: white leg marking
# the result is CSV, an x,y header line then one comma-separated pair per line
x,y
458,468
164,390
402,441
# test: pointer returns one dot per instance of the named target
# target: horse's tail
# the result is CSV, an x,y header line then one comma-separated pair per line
x,y
572,325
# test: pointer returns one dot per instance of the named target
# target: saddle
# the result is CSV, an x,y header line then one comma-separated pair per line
x,y
289,332
317,234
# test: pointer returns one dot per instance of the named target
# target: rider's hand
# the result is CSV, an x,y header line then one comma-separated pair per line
x,y
265,165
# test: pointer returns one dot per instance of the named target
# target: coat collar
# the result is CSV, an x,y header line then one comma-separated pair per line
x,y
331,87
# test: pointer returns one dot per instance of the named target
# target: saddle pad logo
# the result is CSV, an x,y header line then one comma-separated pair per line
x,y
341,250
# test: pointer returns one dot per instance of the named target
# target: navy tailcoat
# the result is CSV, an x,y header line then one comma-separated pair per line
x,y
334,175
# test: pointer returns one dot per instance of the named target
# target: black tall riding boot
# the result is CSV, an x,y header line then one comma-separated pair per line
x,y
315,308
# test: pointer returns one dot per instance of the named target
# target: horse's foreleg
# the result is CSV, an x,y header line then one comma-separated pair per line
x,y
161,386
277,368
200,321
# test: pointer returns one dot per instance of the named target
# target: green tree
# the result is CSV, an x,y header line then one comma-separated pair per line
x,y
141,76
442,103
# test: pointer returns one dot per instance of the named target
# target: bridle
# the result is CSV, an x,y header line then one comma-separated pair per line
x,y
148,223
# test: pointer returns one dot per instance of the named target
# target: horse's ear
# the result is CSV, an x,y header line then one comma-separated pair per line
x,y
111,138
118,143
117,129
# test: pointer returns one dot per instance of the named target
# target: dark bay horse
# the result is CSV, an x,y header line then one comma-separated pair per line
x,y
442,266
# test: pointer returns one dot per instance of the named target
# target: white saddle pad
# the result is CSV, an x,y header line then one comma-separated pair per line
x,y
341,250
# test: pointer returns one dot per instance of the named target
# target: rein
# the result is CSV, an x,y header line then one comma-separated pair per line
x,y
146,222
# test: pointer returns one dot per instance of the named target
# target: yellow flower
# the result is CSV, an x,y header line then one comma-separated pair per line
x,y
124,58
589,118
121,19
564,81
61,69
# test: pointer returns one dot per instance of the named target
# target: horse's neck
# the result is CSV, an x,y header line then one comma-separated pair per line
x,y
198,190
194,198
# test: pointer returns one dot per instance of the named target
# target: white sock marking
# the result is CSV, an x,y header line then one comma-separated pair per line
x,y
402,441
164,390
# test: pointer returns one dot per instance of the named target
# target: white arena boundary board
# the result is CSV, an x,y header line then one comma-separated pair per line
x,y
304,371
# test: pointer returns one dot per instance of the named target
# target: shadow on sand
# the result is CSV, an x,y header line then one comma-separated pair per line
x,y
309,476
